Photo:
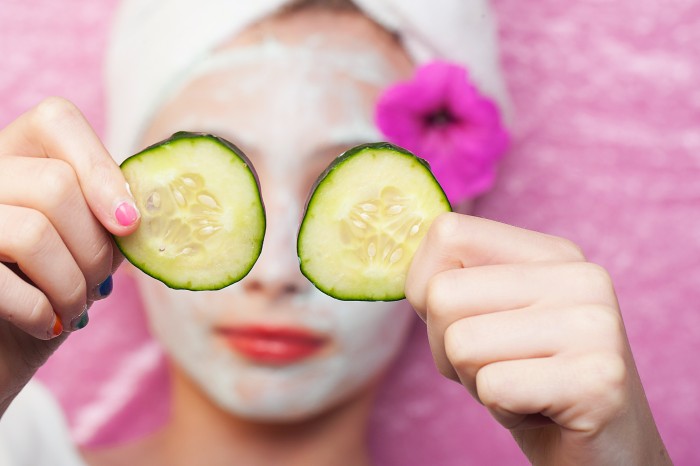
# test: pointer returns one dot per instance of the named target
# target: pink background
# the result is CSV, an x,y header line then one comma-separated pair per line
x,y
606,152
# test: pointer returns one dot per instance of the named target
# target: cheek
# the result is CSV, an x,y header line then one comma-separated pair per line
x,y
372,328
171,311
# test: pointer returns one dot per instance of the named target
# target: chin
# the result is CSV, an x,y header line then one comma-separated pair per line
x,y
279,417
287,395
283,414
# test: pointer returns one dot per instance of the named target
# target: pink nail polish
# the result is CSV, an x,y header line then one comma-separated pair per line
x,y
126,214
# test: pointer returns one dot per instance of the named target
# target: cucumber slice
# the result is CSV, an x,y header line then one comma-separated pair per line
x,y
202,215
365,217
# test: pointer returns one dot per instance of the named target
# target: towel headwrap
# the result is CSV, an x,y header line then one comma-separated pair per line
x,y
156,42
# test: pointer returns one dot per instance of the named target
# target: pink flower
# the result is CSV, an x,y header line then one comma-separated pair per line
x,y
441,117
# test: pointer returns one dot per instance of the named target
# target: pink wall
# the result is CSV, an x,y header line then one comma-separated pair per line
x,y
606,152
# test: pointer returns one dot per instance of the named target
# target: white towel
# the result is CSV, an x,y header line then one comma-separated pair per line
x,y
155,42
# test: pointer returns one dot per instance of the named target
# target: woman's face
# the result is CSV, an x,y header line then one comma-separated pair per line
x,y
272,347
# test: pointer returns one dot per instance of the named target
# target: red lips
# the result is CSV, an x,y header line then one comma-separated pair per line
x,y
273,345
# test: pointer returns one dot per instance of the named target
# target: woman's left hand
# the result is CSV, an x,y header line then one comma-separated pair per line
x,y
534,332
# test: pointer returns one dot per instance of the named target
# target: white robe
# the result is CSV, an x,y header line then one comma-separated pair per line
x,y
34,432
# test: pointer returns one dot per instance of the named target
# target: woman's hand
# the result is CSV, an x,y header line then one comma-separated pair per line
x,y
61,195
534,332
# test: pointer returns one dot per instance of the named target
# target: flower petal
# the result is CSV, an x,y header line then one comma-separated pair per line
x,y
441,116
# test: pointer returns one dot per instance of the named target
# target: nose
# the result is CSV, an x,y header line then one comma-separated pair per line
x,y
274,289
276,274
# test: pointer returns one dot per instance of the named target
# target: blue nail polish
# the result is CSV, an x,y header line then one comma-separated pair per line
x,y
106,287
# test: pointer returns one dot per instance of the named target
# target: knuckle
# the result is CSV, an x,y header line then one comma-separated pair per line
x,y
600,322
438,291
489,389
600,390
443,229
606,380
59,179
594,274
34,233
609,325
454,346
433,296
566,250
594,282
52,110
461,345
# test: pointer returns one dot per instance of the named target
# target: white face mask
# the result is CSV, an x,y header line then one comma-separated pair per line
x,y
292,109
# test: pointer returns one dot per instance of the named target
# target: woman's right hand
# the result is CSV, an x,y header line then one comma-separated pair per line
x,y
534,332
61,198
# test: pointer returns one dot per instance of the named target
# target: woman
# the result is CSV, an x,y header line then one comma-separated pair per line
x,y
570,395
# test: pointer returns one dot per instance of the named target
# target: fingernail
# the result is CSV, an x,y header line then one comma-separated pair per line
x,y
57,327
126,213
81,321
105,288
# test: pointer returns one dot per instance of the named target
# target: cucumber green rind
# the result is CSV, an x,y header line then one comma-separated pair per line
x,y
369,293
207,276
337,162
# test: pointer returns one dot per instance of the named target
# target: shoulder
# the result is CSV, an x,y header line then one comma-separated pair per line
x,y
148,450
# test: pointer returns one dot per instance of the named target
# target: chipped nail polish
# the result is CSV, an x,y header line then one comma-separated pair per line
x,y
126,214
81,321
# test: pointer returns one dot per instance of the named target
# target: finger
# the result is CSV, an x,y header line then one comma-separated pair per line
x,y
28,239
458,293
57,129
51,187
474,342
579,393
26,307
460,241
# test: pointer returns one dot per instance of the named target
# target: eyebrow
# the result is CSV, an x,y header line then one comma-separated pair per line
x,y
339,144
337,147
